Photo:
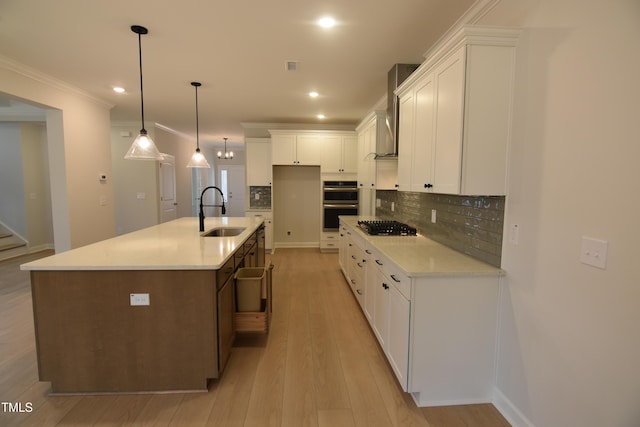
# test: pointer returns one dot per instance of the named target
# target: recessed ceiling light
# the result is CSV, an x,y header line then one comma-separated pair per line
x,y
313,94
118,89
326,22
321,116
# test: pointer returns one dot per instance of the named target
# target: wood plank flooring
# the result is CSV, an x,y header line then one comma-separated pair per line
x,y
319,366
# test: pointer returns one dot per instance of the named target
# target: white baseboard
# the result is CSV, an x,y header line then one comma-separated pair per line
x,y
510,411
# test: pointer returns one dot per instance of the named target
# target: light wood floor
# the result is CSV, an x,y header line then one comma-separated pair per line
x,y
320,366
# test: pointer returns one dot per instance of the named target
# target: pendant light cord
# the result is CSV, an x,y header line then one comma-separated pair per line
x,y
141,90
197,128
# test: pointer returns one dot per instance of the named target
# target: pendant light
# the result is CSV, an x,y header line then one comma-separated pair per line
x,y
197,160
143,147
227,154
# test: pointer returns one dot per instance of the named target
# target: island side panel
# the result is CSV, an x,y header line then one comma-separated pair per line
x,y
90,339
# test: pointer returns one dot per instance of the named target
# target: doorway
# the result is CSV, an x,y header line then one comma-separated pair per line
x,y
231,179
168,200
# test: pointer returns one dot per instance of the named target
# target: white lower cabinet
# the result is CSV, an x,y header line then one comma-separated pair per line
x,y
438,331
397,349
380,316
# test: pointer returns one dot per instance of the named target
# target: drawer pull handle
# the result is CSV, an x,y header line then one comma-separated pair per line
x,y
395,279
359,291
368,251
378,262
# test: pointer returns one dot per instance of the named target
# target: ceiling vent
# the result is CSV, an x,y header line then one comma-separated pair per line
x,y
292,65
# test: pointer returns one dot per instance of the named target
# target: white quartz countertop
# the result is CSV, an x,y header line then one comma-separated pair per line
x,y
174,245
419,256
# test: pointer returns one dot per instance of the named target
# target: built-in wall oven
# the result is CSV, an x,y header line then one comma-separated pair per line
x,y
338,198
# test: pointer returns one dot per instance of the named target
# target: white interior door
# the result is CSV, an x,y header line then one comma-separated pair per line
x,y
168,201
231,180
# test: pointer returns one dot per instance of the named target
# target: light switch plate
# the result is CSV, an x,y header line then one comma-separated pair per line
x,y
594,252
139,299
433,216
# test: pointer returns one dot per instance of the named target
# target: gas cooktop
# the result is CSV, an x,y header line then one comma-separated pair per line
x,y
386,228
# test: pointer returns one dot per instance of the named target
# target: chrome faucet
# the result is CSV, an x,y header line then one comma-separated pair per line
x,y
223,210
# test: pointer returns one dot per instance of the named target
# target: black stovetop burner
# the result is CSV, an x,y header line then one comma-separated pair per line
x,y
386,228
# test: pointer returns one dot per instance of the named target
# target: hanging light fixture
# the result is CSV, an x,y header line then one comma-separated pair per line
x,y
227,154
197,160
143,147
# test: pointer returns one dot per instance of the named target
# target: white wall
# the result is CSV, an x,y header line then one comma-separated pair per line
x,y
78,150
12,208
296,206
569,341
132,177
35,165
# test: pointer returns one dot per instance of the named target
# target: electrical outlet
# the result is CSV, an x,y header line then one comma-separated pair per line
x,y
378,203
594,252
514,234
393,207
139,299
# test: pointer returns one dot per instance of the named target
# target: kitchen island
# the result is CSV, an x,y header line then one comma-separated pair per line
x,y
146,311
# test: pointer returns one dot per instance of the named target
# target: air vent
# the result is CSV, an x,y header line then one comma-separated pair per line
x,y
292,65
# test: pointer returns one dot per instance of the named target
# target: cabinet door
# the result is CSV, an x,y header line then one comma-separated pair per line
x,y
422,166
381,315
258,163
308,150
330,154
405,136
370,288
226,333
349,154
283,149
398,338
448,125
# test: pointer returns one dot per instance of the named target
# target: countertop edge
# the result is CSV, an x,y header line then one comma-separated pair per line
x,y
253,224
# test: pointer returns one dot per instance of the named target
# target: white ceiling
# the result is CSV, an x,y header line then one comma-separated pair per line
x,y
236,49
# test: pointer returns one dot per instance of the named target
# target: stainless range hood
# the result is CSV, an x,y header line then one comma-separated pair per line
x,y
388,147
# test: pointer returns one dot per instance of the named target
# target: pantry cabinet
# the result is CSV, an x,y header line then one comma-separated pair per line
x,y
455,115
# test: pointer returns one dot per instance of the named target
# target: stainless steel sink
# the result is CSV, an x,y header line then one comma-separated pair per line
x,y
223,232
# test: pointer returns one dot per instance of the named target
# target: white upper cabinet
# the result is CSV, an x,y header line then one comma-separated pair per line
x,y
335,152
381,174
455,114
258,161
283,149
340,154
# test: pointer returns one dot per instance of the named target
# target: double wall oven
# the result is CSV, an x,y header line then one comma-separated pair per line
x,y
338,198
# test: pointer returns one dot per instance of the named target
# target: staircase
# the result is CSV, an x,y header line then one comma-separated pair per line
x,y
11,245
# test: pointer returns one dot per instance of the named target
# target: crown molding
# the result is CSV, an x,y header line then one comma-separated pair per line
x,y
33,74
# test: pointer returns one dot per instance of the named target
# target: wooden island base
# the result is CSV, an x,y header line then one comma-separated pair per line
x,y
91,340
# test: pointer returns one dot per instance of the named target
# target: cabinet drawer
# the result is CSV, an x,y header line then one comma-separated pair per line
x,y
391,271
225,272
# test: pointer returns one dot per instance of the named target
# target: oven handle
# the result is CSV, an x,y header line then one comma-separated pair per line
x,y
342,189
340,206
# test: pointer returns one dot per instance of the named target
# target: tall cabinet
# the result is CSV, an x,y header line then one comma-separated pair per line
x,y
455,115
